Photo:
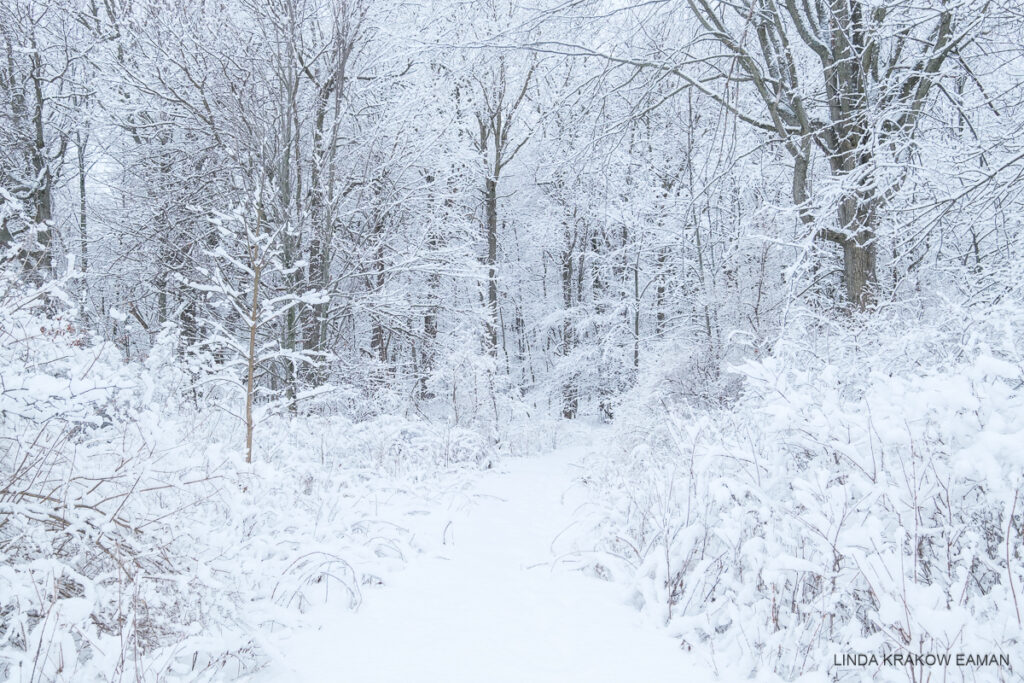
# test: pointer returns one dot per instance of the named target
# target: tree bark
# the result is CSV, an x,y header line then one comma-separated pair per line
x,y
570,393
39,256
83,232
250,378
491,210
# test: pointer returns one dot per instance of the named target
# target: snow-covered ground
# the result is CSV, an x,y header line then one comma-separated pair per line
x,y
495,596
826,511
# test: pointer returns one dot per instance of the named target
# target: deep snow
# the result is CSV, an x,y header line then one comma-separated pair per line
x,y
494,597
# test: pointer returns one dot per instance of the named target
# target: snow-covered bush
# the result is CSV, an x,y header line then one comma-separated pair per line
x,y
864,495
135,543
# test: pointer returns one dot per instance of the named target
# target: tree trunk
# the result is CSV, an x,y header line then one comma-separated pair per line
x,y
378,334
318,270
83,232
491,209
636,314
660,294
570,394
292,329
39,256
250,378
429,347
859,269
856,215
606,387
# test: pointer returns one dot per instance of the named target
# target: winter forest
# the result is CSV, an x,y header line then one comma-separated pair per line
x,y
493,340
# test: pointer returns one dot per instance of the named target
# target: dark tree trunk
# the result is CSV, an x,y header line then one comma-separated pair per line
x,y
318,270
83,230
859,256
39,256
491,209
570,393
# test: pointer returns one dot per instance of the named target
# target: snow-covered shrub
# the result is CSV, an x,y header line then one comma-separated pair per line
x,y
136,544
93,578
865,495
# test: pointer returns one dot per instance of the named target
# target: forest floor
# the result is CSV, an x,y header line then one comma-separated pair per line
x,y
494,596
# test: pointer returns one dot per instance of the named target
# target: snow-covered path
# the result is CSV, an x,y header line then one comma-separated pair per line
x,y
491,605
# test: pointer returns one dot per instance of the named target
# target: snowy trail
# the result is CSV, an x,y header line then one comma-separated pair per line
x,y
491,606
